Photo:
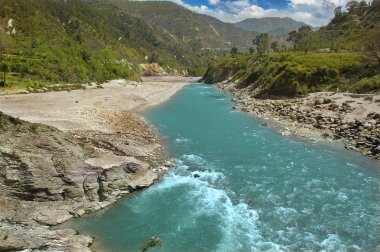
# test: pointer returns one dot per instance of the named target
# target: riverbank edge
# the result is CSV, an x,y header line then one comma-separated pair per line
x,y
165,163
81,242
288,125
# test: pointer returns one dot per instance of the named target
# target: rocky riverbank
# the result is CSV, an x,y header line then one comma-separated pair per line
x,y
91,154
352,119
48,176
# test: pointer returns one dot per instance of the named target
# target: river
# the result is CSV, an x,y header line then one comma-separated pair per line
x,y
239,186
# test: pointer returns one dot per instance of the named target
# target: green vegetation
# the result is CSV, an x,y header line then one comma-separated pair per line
x,y
44,42
194,39
7,122
234,51
79,41
343,56
293,74
301,38
63,41
349,30
262,43
4,68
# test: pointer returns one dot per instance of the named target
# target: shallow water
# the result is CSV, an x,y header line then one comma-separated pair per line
x,y
253,189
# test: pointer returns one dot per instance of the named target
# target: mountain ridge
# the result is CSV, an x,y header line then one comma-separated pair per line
x,y
199,30
275,26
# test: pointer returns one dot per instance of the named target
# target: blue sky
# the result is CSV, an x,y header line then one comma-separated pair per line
x,y
312,12
267,4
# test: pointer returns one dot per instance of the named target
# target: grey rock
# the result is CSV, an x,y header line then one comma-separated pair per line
x,y
319,101
45,180
327,101
376,150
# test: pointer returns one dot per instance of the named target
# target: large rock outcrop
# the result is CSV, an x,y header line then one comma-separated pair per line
x,y
48,176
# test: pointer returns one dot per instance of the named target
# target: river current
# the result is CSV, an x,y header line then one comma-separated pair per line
x,y
239,186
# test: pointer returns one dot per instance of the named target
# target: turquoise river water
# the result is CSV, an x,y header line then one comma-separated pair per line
x,y
253,189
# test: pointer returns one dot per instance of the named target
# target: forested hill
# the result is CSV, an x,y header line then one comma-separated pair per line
x,y
359,15
342,56
82,41
353,28
185,27
73,41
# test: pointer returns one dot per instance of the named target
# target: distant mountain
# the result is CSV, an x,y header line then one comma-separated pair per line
x,y
187,28
275,26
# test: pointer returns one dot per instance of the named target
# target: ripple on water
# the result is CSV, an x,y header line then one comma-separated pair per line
x,y
237,221
238,186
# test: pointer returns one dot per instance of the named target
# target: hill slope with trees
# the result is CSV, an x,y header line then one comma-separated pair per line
x,y
343,56
198,31
78,41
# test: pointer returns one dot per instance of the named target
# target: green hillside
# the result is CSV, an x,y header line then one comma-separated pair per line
x,y
352,29
73,41
199,32
343,56
195,39
78,41
274,26
294,74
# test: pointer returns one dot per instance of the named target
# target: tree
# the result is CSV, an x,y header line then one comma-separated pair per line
x,y
234,51
153,58
372,47
3,45
338,11
293,38
301,39
4,68
376,3
274,46
363,4
352,5
305,29
262,43
251,50
308,43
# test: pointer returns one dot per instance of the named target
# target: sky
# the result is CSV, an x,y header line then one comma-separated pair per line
x,y
313,12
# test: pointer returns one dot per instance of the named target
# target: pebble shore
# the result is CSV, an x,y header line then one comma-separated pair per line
x,y
352,119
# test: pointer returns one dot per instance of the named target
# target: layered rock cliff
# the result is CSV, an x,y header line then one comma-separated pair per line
x,y
48,176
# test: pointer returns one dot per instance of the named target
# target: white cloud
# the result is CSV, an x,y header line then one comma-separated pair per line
x,y
313,12
213,2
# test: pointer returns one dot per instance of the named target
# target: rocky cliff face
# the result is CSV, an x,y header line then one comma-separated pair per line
x,y
48,176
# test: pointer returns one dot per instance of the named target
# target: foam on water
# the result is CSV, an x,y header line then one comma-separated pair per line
x,y
237,220
238,186
181,140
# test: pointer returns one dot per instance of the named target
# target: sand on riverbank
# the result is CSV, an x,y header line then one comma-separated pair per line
x,y
86,109
107,150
